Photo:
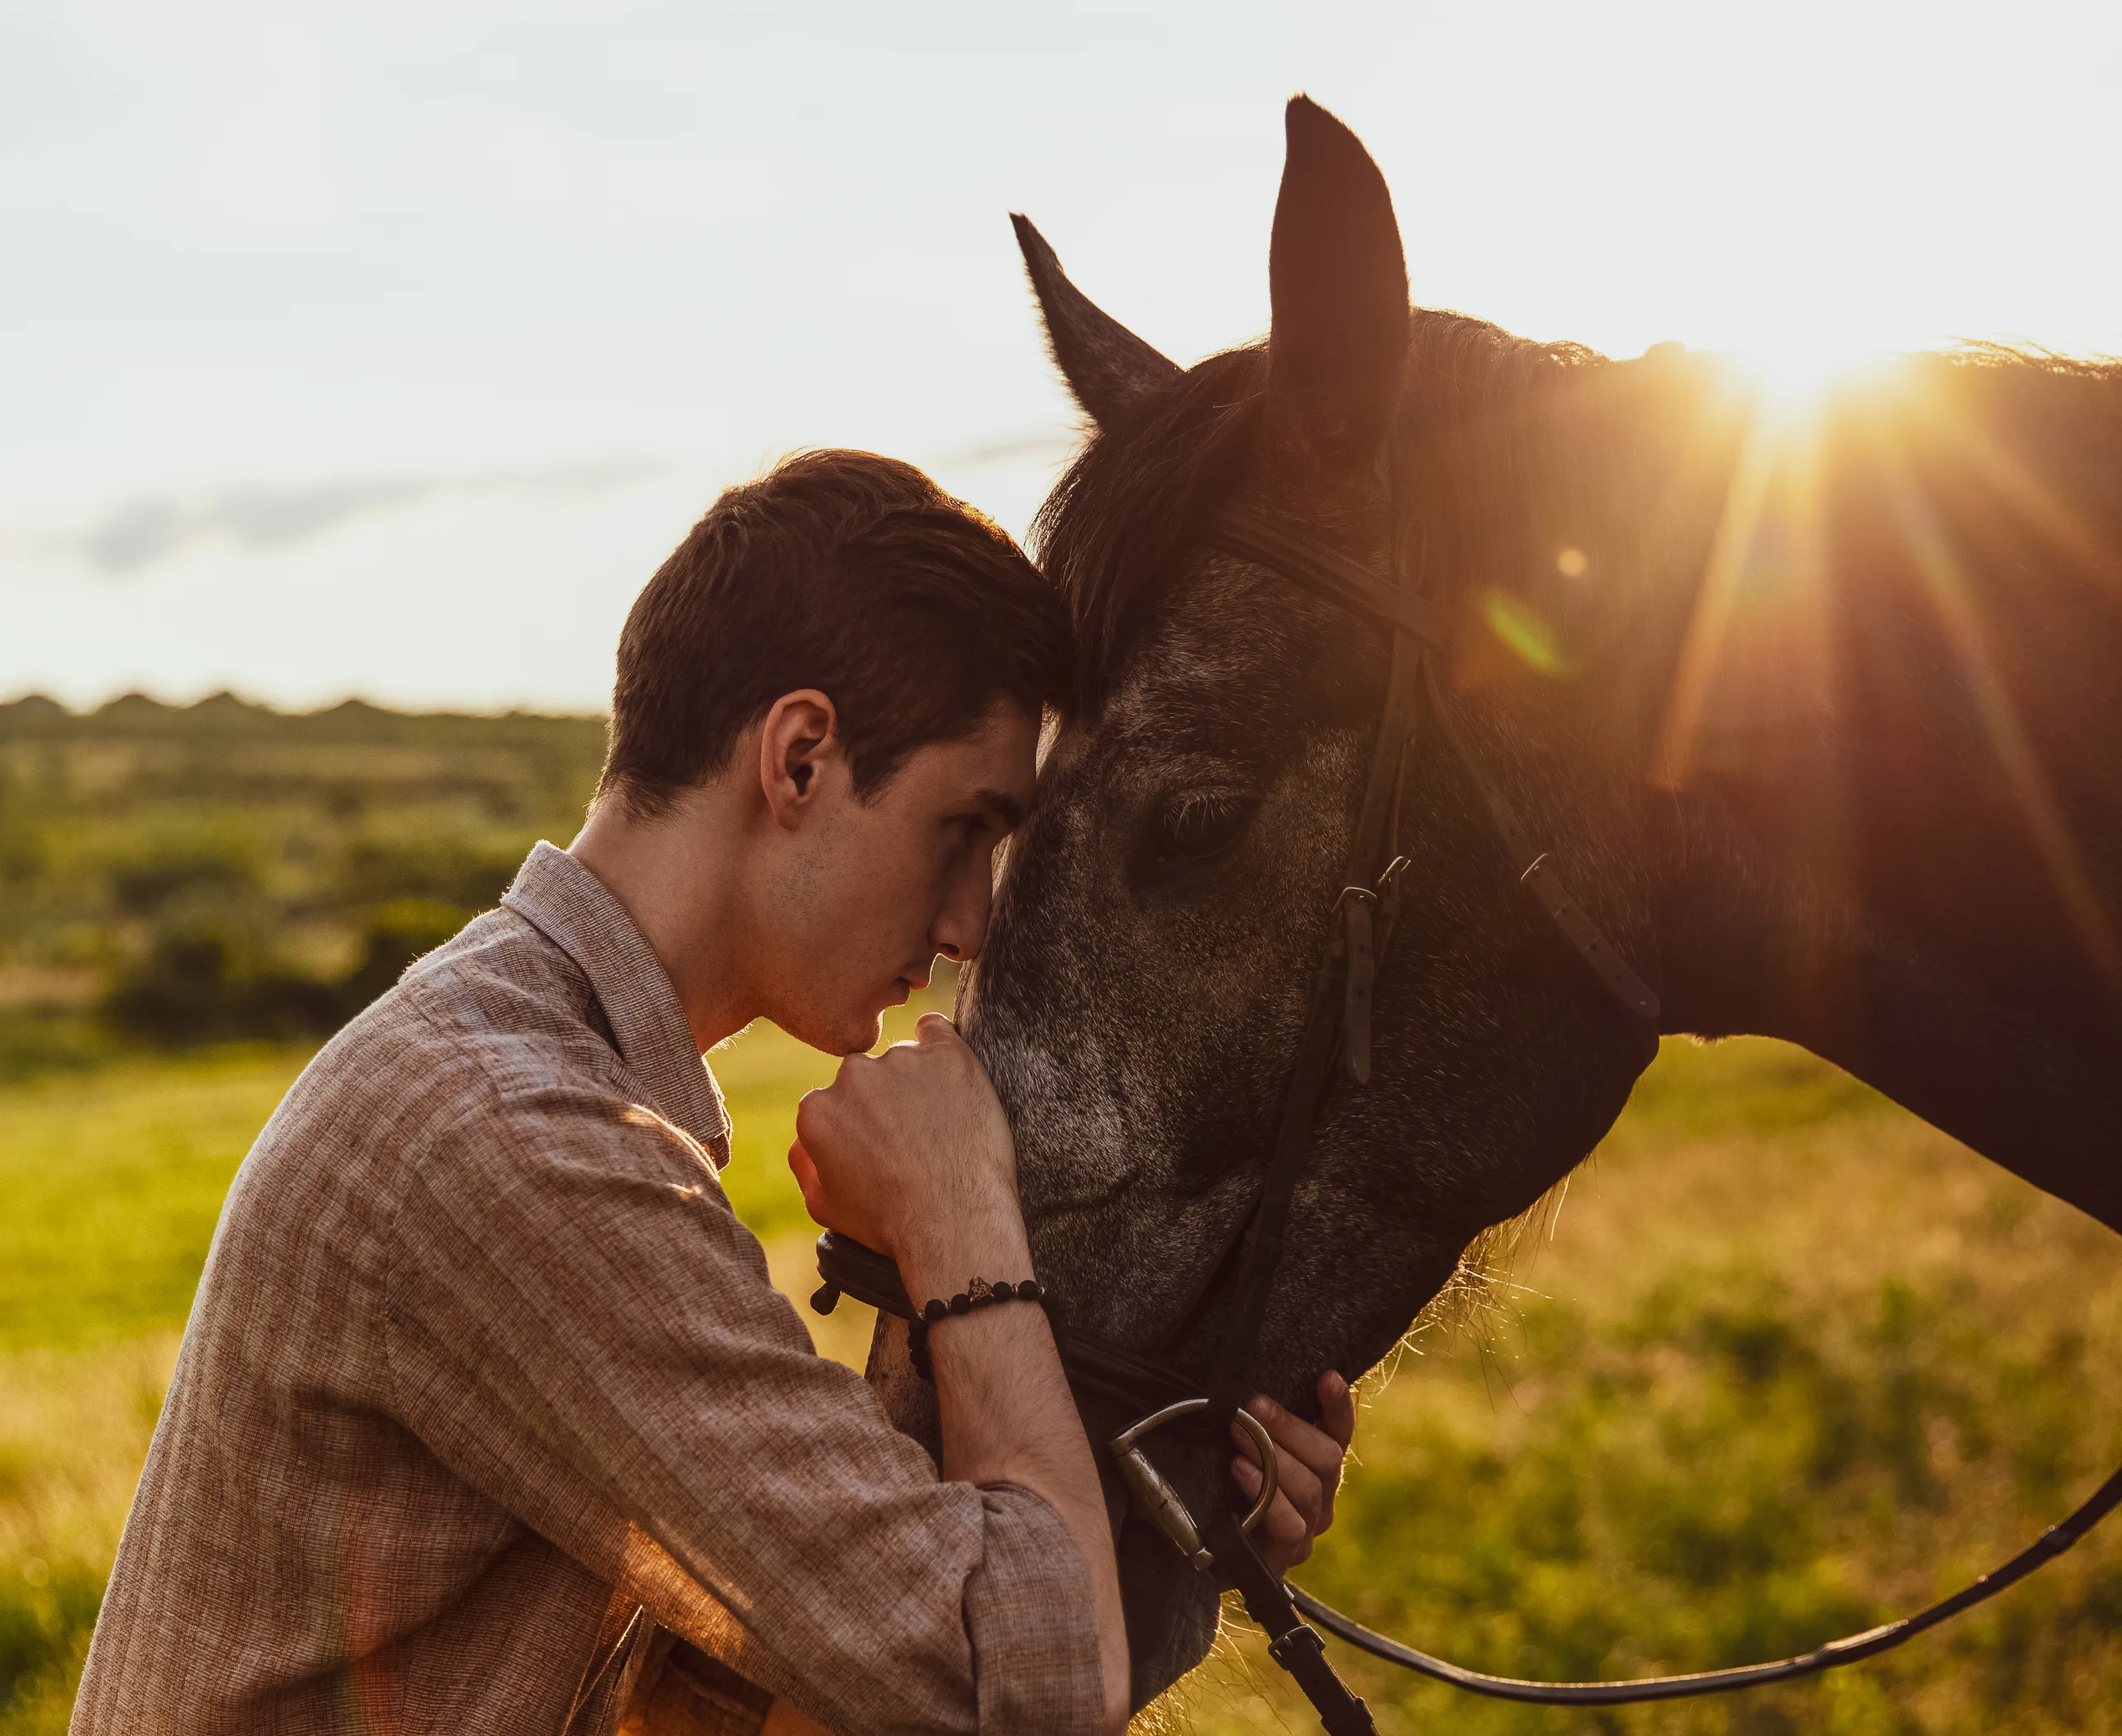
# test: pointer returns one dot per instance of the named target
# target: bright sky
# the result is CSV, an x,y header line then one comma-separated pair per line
x,y
386,348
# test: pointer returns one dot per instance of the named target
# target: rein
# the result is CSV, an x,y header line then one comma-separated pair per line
x,y
1336,1041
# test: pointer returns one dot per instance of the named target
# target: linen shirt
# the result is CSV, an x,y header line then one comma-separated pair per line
x,y
485,1393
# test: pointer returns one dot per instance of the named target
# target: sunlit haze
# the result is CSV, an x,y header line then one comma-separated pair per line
x,y
386,350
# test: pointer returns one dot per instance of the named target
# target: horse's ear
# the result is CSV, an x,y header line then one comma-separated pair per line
x,y
1339,282
1111,371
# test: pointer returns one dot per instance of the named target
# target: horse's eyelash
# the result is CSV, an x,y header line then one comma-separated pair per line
x,y
1192,799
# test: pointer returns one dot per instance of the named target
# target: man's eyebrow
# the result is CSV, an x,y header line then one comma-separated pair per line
x,y
1004,806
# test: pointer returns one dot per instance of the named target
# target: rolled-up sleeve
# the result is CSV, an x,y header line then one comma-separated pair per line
x,y
1033,1672
580,1329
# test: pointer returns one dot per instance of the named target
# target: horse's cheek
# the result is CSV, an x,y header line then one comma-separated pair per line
x,y
908,1400
1171,1612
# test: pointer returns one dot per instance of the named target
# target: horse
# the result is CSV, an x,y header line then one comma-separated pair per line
x,y
1817,713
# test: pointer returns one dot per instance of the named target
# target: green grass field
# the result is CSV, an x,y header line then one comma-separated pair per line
x,y
1782,1363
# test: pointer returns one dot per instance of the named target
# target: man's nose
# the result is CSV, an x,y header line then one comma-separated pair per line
x,y
961,927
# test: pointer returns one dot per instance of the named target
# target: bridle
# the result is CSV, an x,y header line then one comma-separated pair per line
x,y
1336,1042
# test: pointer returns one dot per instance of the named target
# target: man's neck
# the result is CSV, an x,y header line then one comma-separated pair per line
x,y
675,877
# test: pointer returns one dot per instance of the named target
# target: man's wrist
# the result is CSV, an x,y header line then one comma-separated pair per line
x,y
941,1258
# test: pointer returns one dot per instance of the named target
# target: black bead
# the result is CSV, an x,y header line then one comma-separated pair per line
x,y
1031,1290
961,1303
1004,1291
934,1309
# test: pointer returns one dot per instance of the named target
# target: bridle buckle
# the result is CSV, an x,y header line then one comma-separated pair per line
x,y
1156,1501
1368,915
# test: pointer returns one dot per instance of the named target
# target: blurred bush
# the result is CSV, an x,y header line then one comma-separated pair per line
x,y
204,981
47,1612
398,931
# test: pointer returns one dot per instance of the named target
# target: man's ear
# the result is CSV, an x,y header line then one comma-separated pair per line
x,y
799,739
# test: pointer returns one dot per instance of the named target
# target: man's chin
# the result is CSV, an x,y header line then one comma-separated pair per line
x,y
852,1036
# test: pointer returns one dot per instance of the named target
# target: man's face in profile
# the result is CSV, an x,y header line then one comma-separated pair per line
x,y
883,884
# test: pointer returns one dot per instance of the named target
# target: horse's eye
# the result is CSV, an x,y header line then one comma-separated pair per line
x,y
1201,823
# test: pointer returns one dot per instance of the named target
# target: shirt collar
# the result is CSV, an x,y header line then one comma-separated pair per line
x,y
574,910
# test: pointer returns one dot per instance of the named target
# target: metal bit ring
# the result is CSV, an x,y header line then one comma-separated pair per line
x,y
1160,1503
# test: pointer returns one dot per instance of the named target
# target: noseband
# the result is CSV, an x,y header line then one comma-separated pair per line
x,y
1336,1042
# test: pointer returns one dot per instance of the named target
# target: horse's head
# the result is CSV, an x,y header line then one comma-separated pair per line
x,y
1162,918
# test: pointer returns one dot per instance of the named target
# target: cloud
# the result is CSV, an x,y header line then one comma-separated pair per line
x,y
138,533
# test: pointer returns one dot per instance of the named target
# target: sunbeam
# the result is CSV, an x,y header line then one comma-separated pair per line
x,y
2033,500
1947,588
1672,758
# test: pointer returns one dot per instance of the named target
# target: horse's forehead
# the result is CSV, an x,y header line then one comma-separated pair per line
x,y
1154,719
1225,640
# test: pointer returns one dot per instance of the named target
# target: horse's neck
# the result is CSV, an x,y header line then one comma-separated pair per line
x,y
1900,837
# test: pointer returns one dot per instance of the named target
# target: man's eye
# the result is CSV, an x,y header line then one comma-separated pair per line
x,y
1201,823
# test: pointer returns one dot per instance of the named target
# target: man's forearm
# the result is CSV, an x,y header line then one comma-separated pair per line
x,y
1008,1416
909,1152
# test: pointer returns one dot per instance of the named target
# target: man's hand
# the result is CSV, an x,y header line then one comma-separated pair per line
x,y
1310,1471
908,1153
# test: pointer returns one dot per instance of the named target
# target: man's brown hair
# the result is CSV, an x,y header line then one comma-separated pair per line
x,y
846,572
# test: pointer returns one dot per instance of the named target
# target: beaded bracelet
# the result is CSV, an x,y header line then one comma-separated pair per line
x,y
977,1294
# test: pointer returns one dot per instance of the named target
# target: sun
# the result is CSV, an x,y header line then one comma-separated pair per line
x,y
1794,373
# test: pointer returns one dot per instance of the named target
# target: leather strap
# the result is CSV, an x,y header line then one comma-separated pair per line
x,y
1536,872
1312,1070
1294,553
1297,1648
1304,561
1094,1364
2044,1549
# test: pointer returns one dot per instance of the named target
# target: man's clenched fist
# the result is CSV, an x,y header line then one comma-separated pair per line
x,y
908,1153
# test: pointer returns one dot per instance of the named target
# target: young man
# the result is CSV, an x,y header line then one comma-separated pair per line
x,y
485,1392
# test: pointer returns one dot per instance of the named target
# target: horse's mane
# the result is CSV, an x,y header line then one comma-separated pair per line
x,y
1138,491
1135,494
1470,406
